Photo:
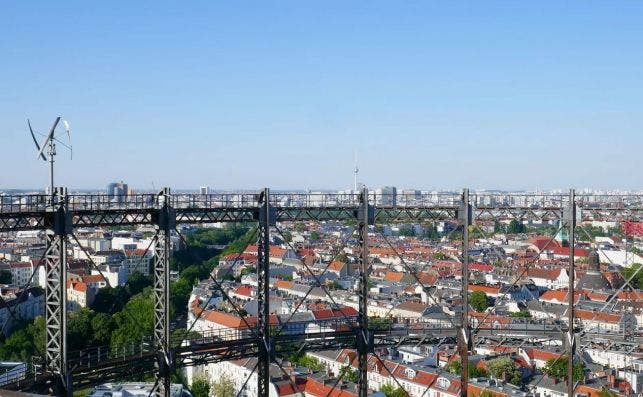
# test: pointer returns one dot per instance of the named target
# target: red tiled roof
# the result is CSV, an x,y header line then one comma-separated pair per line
x,y
317,389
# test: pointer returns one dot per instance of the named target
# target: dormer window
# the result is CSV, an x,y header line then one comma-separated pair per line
x,y
444,383
409,373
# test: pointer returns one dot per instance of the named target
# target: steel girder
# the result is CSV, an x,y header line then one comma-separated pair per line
x,y
364,340
266,219
164,220
58,226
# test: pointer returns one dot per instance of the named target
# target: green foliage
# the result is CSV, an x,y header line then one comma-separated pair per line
x,y
102,327
455,367
179,295
24,343
557,368
111,300
287,236
342,257
79,329
479,301
407,230
349,374
516,227
314,236
499,227
206,237
304,360
592,231
5,277
505,368
200,387
379,323
486,393
431,232
335,285
606,393
521,314
439,256
637,281
391,391
300,227
224,387
239,243
134,322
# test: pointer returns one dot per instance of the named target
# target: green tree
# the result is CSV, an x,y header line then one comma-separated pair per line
x,y
5,277
287,236
515,227
637,281
391,391
499,227
304,360
110,300
224,387
200,387
479,301
79,329
134,322
137,282
455,367
439,256
521,314
407,230
314,236
25,342
505,368
349,374
102,327
557,368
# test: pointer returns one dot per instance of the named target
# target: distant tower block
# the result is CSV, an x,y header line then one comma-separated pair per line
x,y
204,190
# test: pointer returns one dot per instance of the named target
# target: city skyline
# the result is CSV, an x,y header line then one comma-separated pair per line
x,y
429,95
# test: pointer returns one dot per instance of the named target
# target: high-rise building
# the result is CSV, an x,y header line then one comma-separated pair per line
x,y
118,191
386,196
204,190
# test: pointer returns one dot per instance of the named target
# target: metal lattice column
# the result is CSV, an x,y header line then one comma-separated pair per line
x,y
58,226
571,337
464,337
266,218
165,222
365,217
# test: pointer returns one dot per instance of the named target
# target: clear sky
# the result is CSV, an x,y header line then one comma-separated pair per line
x,y
243,94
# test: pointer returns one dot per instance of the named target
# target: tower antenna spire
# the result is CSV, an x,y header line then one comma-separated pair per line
x,y
355,171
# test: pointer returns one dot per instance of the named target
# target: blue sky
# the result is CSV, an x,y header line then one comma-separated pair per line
x,y
251,94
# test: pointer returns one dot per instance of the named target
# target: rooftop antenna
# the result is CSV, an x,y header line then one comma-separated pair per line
x,y
50,144
355,171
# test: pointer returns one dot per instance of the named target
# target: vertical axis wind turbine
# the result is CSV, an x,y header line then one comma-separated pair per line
x,y
50,144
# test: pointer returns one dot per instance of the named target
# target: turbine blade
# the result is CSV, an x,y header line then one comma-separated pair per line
x,y
67,129
35,141
49,136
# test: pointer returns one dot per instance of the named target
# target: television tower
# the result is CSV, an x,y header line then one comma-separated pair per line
x,y
355,171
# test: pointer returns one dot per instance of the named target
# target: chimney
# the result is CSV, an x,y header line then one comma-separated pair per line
x,y
611,379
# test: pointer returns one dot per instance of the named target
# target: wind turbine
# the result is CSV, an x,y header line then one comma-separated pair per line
x,y
50,144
